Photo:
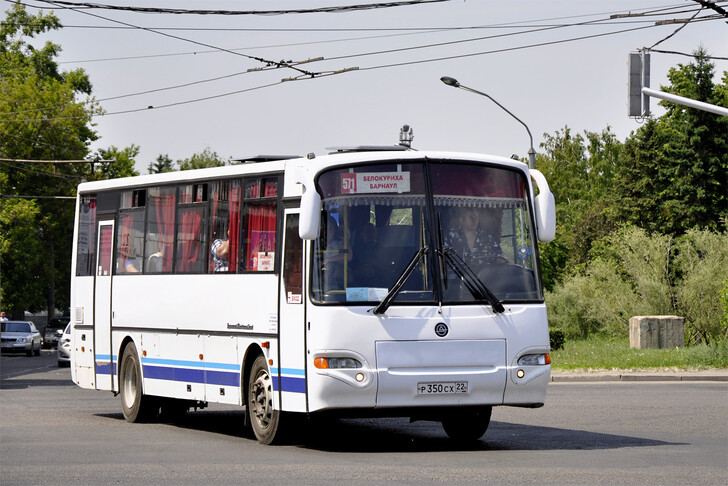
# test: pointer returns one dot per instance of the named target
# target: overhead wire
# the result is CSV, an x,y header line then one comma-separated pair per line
x,y
180,11
203,44
360,55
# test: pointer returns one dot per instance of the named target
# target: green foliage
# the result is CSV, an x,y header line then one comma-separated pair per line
x,y
121,165
20,245
599,301
556,339
206,158
674,171
43,120
580,170
639,274
162,164
702,262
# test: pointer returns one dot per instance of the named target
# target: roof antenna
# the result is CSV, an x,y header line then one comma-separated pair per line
x,y
406,135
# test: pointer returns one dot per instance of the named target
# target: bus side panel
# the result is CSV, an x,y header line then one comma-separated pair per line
x,y
194,329
173,365
222,371
290,370
82,353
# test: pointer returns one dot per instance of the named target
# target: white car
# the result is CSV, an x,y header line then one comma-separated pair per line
x,y
64,348
20,336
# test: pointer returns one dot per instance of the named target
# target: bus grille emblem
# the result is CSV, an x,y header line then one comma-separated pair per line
x,y
441,329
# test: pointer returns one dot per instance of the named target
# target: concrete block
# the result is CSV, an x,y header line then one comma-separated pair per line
x,y
656,332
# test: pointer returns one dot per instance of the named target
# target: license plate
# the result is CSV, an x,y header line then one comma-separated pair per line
x,y
442,388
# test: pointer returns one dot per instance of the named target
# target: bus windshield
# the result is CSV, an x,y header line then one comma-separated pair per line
x,y
463,226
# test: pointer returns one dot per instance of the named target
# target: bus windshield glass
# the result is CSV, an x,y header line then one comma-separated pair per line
x,y
461,225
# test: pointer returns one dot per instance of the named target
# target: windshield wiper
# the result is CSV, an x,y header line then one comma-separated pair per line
x,y
389,298
471,281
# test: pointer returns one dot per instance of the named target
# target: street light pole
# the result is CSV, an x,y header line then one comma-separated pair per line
x,y
455,84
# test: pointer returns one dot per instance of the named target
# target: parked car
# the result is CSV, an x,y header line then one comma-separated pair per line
x,y
64,348
54,330
20,336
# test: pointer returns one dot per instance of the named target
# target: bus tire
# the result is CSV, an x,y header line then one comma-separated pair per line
x,y
467,425
136,406
263,418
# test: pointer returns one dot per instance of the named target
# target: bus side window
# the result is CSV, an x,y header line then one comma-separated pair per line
x,y
86,243
130,232
192,250
159,237
293,261
225,225
259,225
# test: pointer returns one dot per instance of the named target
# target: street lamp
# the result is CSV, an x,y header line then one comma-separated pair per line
x,y
455,84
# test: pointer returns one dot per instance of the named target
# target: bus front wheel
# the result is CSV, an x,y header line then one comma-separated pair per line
x,y
262,416
467,425
136,406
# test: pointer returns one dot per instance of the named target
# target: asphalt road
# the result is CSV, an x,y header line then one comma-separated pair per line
x,y
52,432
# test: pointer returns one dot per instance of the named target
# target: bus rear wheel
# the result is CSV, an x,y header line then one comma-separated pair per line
x,y
136,406
467,425
264,419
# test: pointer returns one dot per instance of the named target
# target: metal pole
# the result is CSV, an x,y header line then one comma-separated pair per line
x,y
681,100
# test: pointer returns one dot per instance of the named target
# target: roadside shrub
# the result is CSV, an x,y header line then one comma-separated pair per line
x,y
702,263
556,338
633,273
628,278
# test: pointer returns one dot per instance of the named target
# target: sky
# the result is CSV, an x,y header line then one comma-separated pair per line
x,y
178,84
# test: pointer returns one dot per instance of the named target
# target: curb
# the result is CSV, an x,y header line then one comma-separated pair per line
x,y
719,376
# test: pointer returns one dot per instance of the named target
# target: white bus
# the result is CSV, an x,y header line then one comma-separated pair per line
x,y
356,284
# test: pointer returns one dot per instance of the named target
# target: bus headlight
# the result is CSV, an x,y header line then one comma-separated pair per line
x,y
323,363
534,359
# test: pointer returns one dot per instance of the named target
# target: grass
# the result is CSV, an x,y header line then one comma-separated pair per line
x,y
601,353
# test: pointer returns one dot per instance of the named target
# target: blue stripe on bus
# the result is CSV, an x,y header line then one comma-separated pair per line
x,y
288,371
191,364
105,368
192,375
290,384
205,373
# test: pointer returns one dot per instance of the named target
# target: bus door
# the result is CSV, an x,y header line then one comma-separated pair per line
x,y
291,367
101,348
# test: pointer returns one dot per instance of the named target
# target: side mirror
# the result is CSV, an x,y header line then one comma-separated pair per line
x,y
309,220
545,208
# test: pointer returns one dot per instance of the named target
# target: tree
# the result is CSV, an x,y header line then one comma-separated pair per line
x,y
120,162
162,164
41,120
206,158
675,169
580,170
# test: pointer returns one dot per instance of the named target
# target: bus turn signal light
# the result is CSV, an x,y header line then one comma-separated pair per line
x,y
321,363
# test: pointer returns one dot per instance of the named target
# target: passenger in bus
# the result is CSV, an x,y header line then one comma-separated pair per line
x,y
220,250
127,264
476,238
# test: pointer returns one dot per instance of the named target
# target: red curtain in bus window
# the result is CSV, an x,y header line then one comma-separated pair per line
x,y
165,217
105,245
125,241
189,240
234,215
260,236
